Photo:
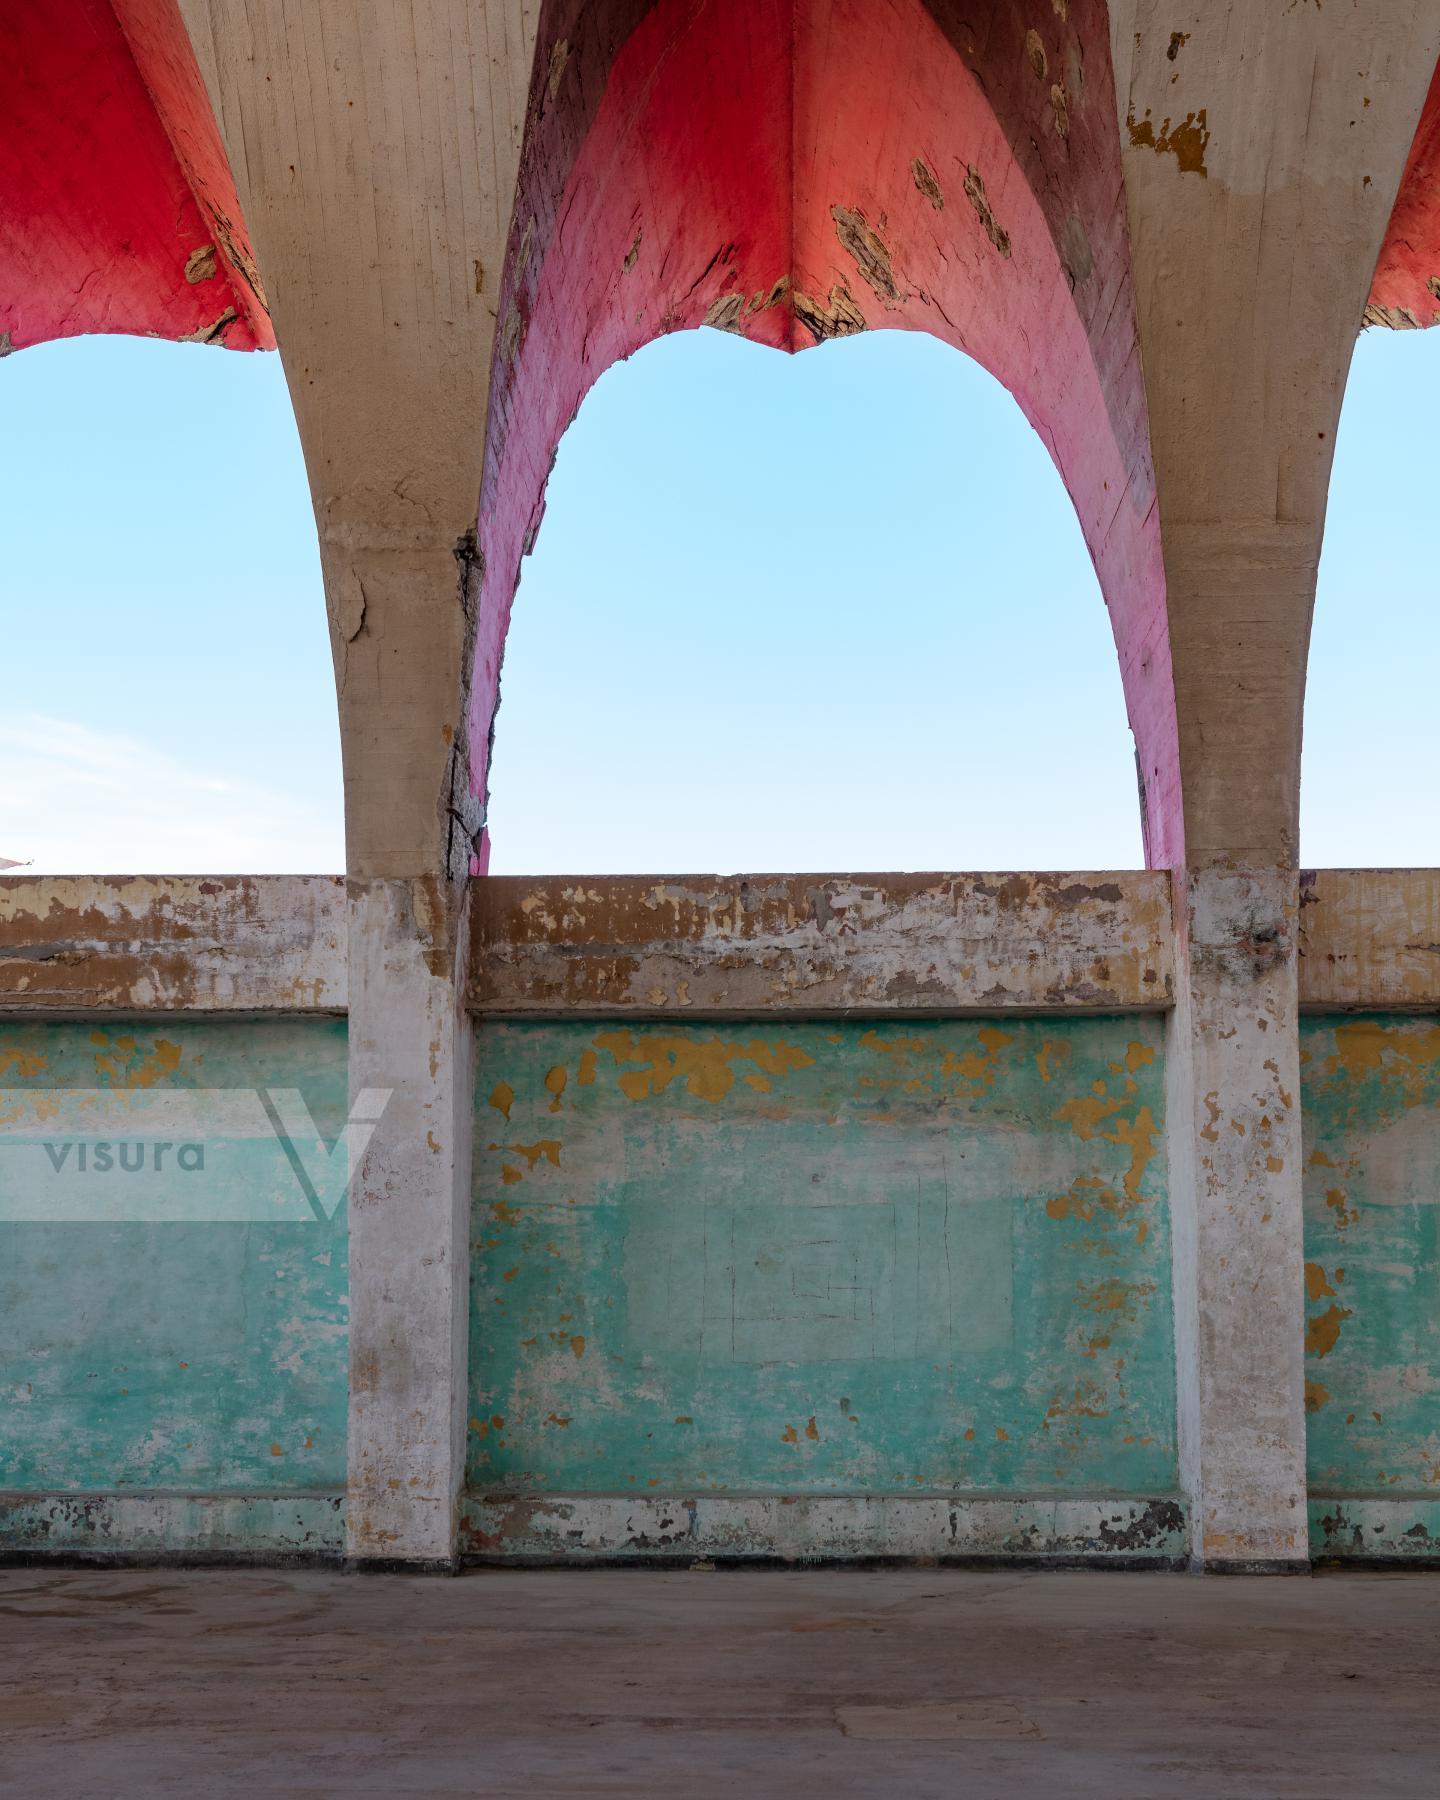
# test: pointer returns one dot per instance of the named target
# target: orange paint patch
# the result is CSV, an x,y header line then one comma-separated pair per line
x,y
1316,1286
502,1098
1323,1333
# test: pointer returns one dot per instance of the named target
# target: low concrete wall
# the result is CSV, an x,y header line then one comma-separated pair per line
x,y
177,1385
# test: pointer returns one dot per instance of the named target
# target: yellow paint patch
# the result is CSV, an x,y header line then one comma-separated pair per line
x,y
502,1098
704,1065
126,1066
1316,1396
975,1071
26,1064
1051,1057
577,1344
555,1085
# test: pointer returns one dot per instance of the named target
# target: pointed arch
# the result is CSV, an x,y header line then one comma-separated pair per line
x,y
808,168
118,212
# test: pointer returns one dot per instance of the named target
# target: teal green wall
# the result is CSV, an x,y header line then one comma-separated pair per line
x,y
804,1258
1370,1090
204,1352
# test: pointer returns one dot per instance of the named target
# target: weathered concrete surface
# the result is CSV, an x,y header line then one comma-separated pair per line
x,y
409,1040
305,1525
1264,147
820,1260
821,943
374,149
1234,1148
1370,1089
1370,938
78,944
118,214
909,164
1406,290
161,1333
1118,1531
825,1685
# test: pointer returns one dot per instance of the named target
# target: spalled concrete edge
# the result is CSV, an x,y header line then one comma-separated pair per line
x,y
77,945
698,945
1403,1529
150,1528
1370,938
558,1528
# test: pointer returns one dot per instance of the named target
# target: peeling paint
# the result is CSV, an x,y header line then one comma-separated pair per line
x,y
1187,141
832,1275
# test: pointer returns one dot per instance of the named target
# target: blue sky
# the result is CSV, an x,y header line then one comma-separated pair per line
x,y
824,612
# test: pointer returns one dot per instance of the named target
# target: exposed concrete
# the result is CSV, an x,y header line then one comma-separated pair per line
x,y
1116,1532
79,944
375,151
409,1223
822,943
306,1526
1234,1140
1263,151
1370,938
836,1685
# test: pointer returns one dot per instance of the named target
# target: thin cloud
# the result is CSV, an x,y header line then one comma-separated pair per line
x,y
74,800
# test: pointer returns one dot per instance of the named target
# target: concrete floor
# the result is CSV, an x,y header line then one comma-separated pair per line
x,y
612,1682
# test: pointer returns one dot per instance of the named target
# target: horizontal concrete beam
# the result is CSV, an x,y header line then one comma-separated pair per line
x,y
80,944
1370,938
632,945
709,945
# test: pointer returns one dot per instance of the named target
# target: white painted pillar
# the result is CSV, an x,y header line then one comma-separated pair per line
x,y
409,1224
1233,1079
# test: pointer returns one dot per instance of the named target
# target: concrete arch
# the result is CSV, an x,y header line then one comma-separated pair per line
x,y
1264,152
805,169
118,214
1405,293
934,574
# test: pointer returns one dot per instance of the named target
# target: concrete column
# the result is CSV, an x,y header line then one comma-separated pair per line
x,y
409,1224
1233,1115
374,150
